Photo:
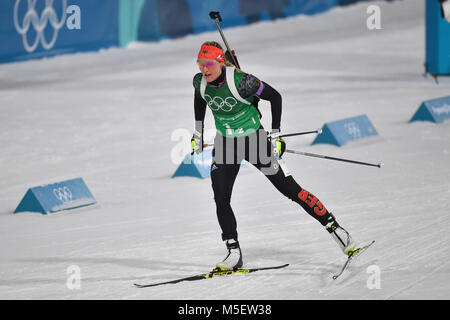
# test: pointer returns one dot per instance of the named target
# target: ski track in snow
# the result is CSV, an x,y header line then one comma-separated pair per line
x,y
108,117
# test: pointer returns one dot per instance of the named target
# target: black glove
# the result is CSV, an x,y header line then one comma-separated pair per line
x,y
278,143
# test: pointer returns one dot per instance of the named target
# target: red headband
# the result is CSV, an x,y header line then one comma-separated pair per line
x,y
211,52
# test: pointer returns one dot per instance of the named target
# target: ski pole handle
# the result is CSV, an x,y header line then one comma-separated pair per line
x,y
215,15
333,158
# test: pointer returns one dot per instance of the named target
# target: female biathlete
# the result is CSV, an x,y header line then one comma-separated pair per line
x,y
232,96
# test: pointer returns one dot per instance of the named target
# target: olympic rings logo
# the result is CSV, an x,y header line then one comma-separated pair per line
x,y
217,103
63,194
39,24
353,129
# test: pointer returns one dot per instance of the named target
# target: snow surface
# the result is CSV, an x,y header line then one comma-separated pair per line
x,y
109,117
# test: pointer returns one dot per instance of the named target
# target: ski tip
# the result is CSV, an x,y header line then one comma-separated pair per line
x,y
280,266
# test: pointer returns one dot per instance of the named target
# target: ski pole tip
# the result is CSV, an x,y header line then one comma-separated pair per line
x,y
380,165
319,131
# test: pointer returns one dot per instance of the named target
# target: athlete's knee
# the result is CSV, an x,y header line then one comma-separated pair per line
x,y
221,196
222,201
286,185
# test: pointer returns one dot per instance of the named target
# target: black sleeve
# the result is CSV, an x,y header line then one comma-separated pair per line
x,y
248,86
270,94
199,106
252,86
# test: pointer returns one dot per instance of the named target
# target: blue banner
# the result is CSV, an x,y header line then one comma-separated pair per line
x,y
161,19
343,131
436,110
38,28
55,197
195,165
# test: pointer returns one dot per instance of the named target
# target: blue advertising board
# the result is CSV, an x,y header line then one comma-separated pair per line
x,y
55,197
195,165
436,110
343,131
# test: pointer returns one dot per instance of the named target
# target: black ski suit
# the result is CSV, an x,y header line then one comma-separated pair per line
x,y
255,148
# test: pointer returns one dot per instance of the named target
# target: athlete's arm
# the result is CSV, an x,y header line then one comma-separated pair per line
x,y
252,86
199,108
272,95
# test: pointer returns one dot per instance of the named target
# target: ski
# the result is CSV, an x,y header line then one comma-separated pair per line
x,y
214,273
356,253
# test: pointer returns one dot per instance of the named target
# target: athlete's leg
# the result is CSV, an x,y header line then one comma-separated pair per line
x,y
260,154
223,175
279,176
286,184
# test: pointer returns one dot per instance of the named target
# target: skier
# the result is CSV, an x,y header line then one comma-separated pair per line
x,y
232,96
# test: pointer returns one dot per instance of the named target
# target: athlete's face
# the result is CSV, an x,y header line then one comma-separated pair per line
x,y
211,69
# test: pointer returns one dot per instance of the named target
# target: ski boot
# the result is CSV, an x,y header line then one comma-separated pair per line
x,y
341,236
233,260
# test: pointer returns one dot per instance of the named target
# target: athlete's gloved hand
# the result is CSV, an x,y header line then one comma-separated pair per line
x,y
197,142
278,143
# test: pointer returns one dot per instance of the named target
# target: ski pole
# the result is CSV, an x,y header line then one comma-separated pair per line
x,y
276,135
215,15
333,158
